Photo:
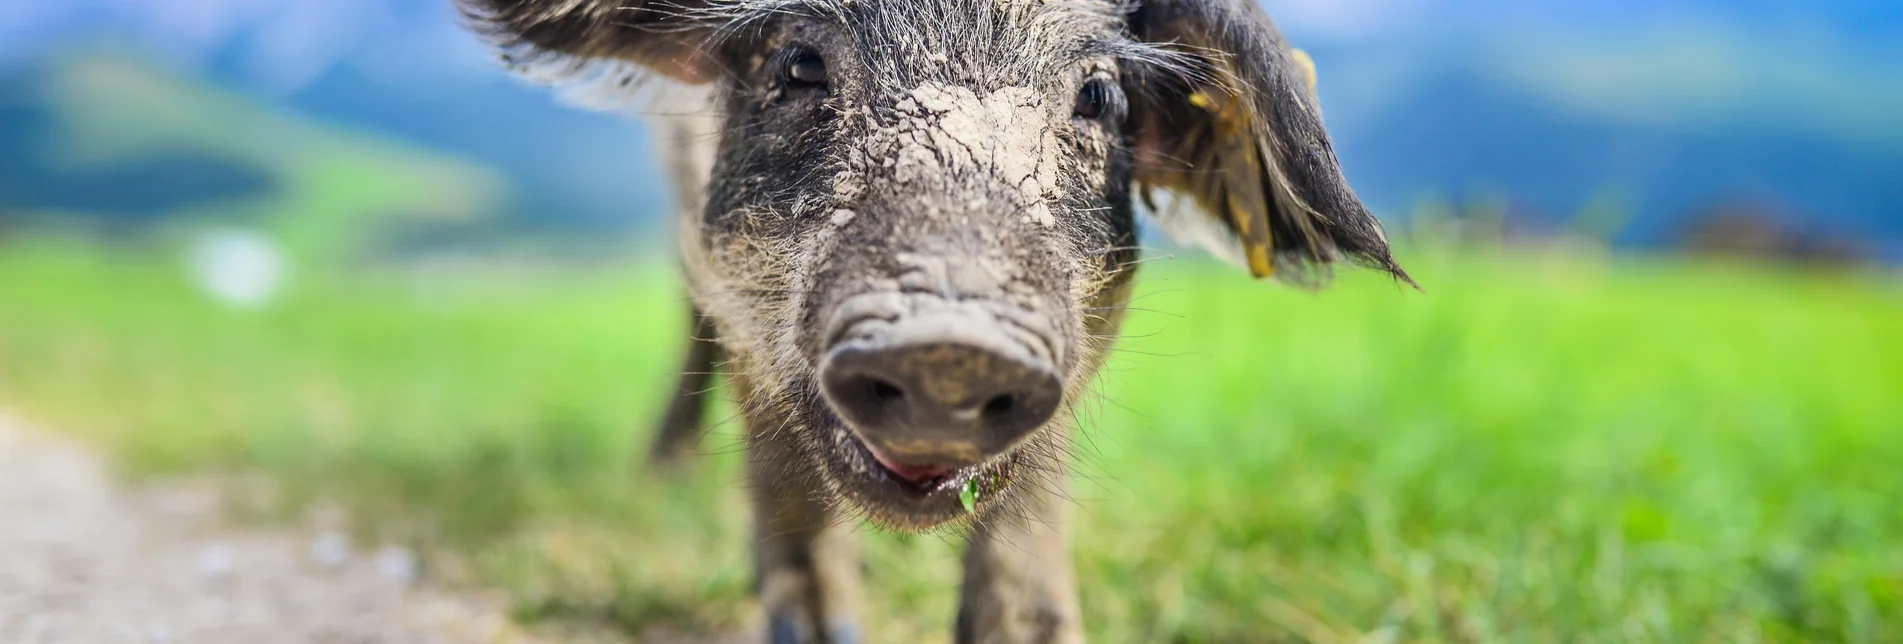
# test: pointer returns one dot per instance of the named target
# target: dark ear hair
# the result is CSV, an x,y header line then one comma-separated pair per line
x,y
1238,133
656,34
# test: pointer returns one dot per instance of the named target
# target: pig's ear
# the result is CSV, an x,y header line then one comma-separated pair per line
x,y
573,36
1232,128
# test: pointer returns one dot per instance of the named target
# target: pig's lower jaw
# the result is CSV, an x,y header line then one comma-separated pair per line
x,y
914,483
895,502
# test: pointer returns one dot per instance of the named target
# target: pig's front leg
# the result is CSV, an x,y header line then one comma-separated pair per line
x,y
806,561
1019,585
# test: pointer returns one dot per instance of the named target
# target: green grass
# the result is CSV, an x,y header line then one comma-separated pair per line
x,y
1551,450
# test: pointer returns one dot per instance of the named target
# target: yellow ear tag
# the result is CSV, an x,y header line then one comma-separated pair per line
x,y
1259,264
1245,208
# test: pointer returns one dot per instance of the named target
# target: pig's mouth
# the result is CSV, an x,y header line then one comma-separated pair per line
x,y
920,480
926,494
909,496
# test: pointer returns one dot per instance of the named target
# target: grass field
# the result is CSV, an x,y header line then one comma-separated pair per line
x,y
1532,450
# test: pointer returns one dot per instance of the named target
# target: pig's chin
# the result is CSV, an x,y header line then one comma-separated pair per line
x,y
911,500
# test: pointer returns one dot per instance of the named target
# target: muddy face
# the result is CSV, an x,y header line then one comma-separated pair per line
x,y
913,223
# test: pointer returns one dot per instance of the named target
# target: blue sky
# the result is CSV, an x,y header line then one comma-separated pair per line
x,y
293,40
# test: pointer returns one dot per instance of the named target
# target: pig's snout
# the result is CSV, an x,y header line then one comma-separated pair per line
x,y
942,389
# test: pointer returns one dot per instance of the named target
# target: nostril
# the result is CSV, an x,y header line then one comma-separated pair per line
x,y
866,397
883,391
1001,405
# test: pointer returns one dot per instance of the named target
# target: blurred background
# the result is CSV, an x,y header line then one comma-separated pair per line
x,y
1653,389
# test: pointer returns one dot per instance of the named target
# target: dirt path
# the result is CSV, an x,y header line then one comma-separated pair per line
x,y
83,560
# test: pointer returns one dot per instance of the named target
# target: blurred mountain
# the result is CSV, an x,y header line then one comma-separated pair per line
x,y
36,174
569,167
405,70
1456,135
122,142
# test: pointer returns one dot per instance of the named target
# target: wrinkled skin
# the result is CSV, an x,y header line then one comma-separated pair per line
x,y
915,202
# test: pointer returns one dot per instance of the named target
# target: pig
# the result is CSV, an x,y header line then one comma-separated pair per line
x,y
909,236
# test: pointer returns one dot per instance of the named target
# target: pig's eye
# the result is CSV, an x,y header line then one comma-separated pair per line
x,y
1100,99
801,67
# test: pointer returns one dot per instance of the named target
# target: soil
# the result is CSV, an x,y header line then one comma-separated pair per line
x,y
84,559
